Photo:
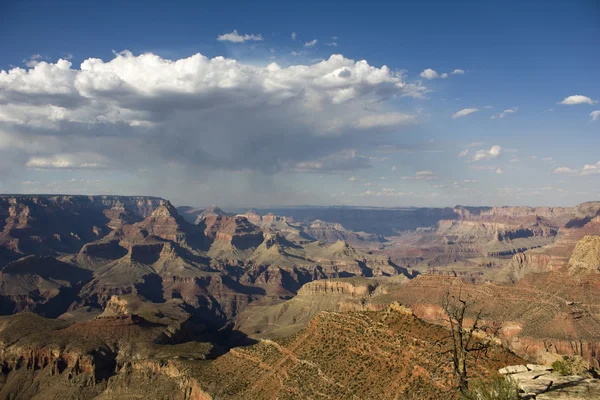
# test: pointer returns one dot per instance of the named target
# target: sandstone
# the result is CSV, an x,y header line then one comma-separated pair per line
x,y
513,369
586,255
538,367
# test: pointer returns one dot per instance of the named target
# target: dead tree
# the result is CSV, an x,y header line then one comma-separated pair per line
x,y
466,340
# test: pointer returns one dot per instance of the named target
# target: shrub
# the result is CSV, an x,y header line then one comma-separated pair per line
x,y
497,388
564,366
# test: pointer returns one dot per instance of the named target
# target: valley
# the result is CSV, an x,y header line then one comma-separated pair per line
x,y
102,296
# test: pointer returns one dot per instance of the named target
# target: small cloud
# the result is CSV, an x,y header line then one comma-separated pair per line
x,y
352,179
547,159
444,75
469,181
488,107
382,178
591,169
235,37
458,72
296,53
334,37
499,171
577,99
475,144
33,60
429,74
384,120
464,153
494,152
293,35
565,170
508,111
594,115
422,176
331,44
393,168
311,43
464,112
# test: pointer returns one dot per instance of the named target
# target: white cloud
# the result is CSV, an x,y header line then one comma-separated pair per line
x,y
385,120
464,153
433,74
312,43
352,179
144,112
475,144
331,44
429,74
508,111
577,99
565,170
33,60
588,169
591,169
499,171
293,35
393,169
594,115
237,38
422,176
67,161
494,152
464,112
488,107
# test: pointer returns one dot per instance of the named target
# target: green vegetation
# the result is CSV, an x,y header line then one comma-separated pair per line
x,y
497,388
564,366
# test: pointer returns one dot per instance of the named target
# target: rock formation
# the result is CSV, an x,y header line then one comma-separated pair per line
x,y
586,255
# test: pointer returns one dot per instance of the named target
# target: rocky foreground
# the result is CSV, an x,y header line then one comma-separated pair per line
x,y
376,355
541,382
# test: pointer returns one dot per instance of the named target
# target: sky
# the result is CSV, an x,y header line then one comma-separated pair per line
x,y
261,103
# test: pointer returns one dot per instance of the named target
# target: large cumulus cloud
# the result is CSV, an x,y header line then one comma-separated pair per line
x,y
146,111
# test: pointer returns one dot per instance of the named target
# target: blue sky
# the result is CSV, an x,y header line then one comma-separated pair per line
x,y
468,110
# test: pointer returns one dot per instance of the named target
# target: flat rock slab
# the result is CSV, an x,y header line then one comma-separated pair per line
x,y
538,367
545,385
513,369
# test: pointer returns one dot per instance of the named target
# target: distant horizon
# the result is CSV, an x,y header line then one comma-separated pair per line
x,y
283,206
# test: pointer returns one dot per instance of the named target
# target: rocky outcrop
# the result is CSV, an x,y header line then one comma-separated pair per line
x,y
523,263
332,232
339,287
49,224
542,383
586,255
236,231
547,350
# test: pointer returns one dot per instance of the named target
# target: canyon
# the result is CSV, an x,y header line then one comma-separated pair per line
x,y
101,296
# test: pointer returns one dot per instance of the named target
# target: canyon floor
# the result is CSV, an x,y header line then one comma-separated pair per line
x,y
110,297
